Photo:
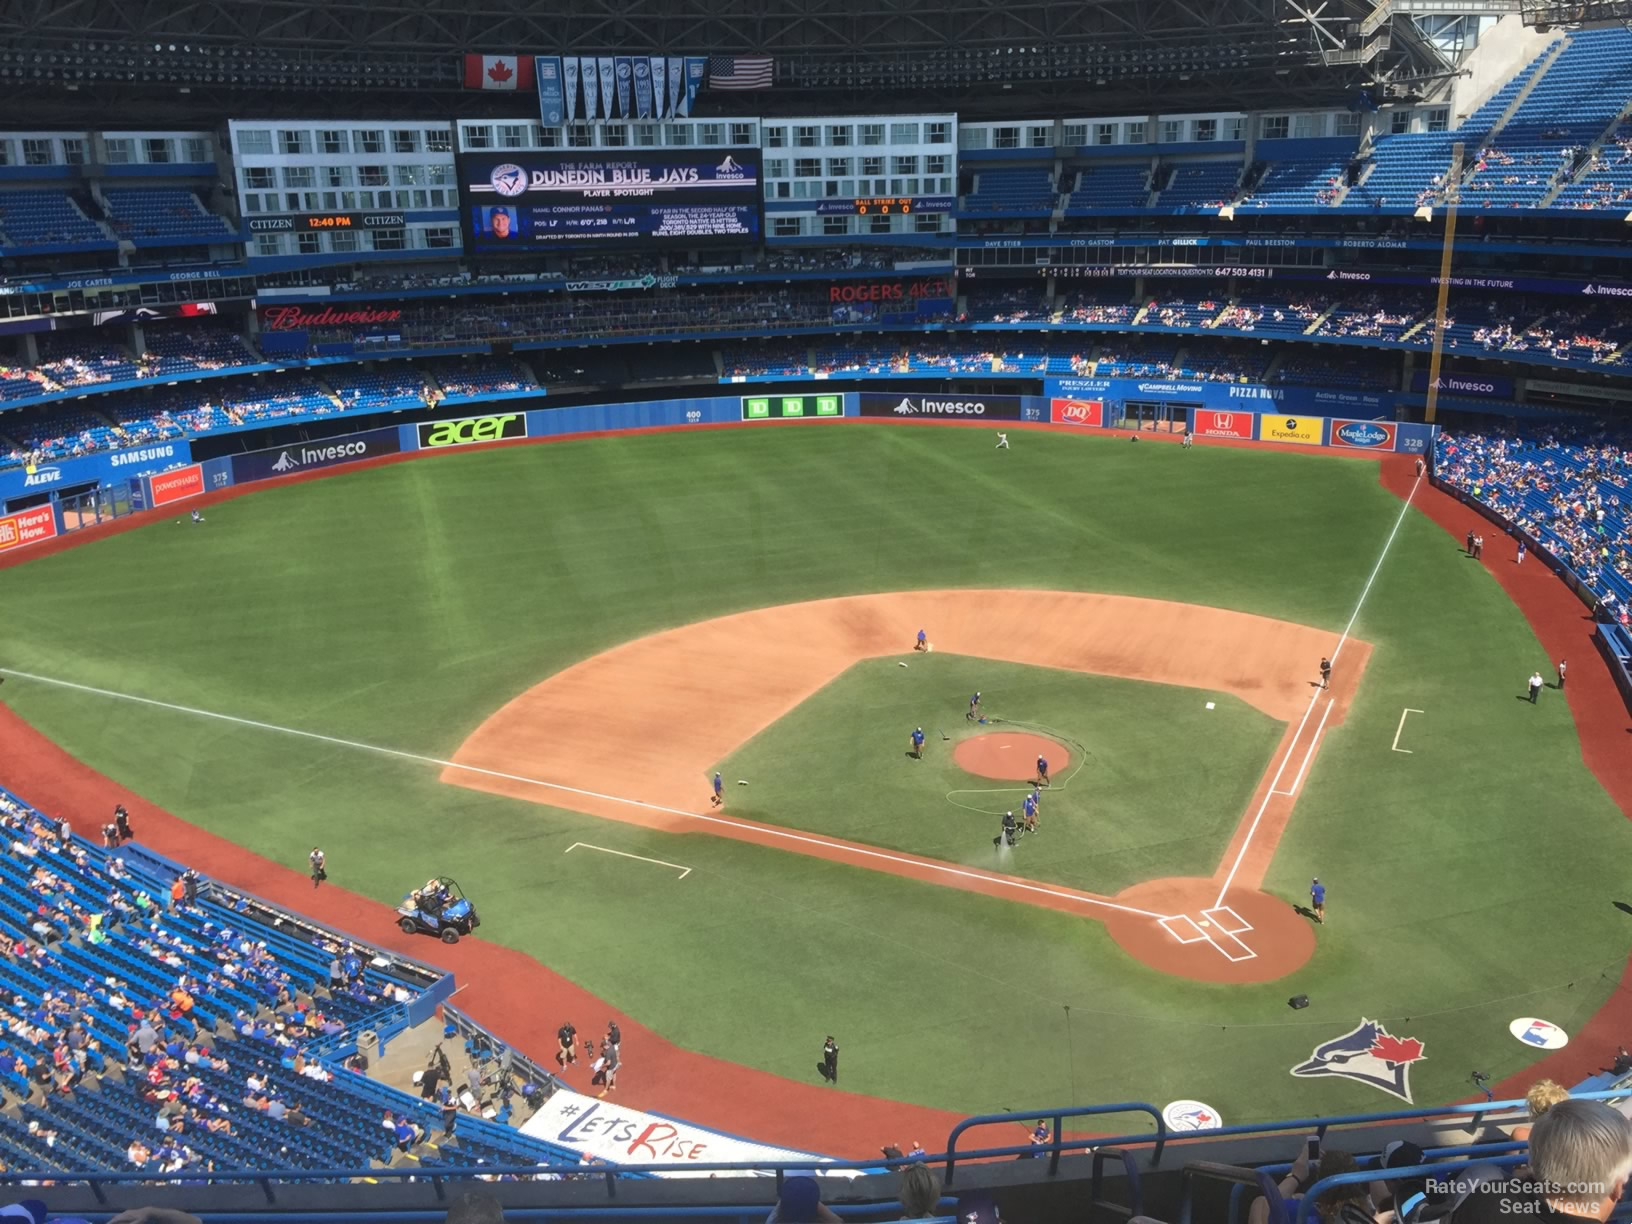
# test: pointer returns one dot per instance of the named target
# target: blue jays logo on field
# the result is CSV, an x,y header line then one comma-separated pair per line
x,y
1190,1116
1368,1054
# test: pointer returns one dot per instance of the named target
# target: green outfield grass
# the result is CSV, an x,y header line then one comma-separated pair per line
x,y
1156,786
1470,883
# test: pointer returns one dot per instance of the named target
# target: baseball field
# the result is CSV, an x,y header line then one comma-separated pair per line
x,y
521,666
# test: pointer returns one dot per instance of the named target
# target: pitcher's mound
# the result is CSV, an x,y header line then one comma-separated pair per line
x,y
1010,756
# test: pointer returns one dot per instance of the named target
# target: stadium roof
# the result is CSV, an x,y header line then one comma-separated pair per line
x,y
983,59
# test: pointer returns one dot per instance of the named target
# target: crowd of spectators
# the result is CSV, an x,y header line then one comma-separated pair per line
x,y
1564,488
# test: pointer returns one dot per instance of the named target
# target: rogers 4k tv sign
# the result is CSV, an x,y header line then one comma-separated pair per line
x,y
912,406
435,435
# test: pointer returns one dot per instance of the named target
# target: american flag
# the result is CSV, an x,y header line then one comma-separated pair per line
x,y
740,72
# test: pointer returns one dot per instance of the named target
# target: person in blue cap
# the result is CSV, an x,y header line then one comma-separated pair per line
x,y
719,783
923,641
918,742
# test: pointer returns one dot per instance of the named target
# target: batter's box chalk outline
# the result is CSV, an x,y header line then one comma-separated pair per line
x,y
1223,942
1227,920
1194,935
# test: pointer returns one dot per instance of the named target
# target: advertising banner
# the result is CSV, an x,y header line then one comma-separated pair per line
x,y
110,467
1076,412
1480,386
1363,435
27,527
620,1135
434,435
305,456
1211,423
941,407
169,487
791,407
1305,430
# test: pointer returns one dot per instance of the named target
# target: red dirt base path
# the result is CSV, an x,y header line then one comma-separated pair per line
x,y
508,992
1010,755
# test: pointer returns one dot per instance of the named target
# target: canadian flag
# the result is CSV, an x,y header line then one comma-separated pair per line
x,y
512,72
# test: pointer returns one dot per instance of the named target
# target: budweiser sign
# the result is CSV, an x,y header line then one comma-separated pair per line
x,y
293,318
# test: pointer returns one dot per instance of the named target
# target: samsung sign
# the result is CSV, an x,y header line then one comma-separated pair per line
x,y
308,456
909,406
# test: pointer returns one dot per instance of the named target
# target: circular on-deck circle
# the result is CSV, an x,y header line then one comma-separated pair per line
x,y
1010,755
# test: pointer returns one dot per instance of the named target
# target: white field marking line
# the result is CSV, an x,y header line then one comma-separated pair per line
x,y
762,830
1252,829
1401,727
1241,924
684,871
1176,918
1225,952
1309,752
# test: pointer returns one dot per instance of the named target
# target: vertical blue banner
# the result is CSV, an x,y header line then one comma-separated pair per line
x,y
547,71
643,87
696,66
604,65
571,74
677,82
586,70
659,84
625,74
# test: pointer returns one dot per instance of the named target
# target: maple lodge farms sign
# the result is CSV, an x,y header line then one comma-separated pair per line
x,y
294,318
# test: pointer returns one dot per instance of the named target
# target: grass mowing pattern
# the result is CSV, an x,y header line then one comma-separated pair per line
x,y
1162,784
1470,882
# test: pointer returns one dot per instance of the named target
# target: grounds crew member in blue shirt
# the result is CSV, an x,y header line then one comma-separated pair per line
x,y
918,742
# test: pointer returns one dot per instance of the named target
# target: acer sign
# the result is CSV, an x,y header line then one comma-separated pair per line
x,y
1212,424
940,408
1076,412
435,434
297,318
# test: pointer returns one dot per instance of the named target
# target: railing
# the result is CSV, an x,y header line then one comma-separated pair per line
x,y
1055,1147
1121,1146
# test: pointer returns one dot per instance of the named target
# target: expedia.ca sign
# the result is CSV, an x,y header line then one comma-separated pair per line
x,y
910,406
434,435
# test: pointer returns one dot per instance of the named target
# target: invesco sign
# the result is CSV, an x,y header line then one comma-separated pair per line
x,y
436,434
931,407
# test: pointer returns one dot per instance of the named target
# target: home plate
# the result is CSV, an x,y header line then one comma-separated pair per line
x,y
1209,705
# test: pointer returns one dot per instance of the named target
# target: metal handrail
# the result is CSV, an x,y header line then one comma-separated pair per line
x,y
441,1175
1054,1147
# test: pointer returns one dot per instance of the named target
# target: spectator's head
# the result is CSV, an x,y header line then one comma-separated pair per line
x,y
1334,1163
1583,1147
920,1191
1543,1095
800,1202
476,1208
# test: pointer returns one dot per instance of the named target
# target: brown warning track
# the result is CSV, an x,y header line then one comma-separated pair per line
x,y
512,994
1565,628
656,713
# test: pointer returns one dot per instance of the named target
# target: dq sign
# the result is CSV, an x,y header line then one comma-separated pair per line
x,y
1076,412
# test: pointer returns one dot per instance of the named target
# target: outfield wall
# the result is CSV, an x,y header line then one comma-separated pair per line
x,y
167,476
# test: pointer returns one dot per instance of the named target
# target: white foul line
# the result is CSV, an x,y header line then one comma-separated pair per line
x,y
759,829
1310,751
1275,782
684,871
1401,727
